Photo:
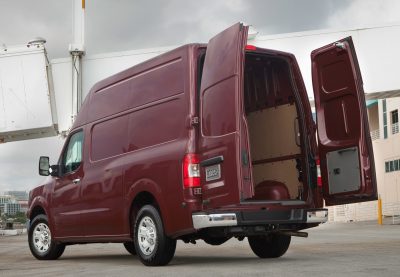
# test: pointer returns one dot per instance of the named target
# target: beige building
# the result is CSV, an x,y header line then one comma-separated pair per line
x,y
384,126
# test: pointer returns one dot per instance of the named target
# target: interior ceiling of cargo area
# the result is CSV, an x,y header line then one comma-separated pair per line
x,y
274,130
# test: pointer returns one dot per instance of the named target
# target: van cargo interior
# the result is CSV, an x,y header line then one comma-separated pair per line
x,y
274,130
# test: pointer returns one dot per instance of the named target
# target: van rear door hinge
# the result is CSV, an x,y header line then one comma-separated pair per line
x,y
194,120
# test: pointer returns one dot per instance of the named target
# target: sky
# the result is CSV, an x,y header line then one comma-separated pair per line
x,y
120,25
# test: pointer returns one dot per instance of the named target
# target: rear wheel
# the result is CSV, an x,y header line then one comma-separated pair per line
x,y
130,247
152,246
269,246
41,243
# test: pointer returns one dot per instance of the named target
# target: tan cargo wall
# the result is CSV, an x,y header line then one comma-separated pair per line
x,y
284,172
272,135
272,132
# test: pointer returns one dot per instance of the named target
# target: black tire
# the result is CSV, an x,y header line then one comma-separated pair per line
x,y
269,246
161,250
130,247
54,249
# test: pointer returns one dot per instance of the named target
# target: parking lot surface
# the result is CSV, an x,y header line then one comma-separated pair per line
x,y
333,249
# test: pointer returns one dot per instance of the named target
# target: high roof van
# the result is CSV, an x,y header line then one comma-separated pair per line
x,y
208,141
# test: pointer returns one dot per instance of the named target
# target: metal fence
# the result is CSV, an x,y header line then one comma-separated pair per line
x,y
392,209
375,134
365,211
13,232
395,128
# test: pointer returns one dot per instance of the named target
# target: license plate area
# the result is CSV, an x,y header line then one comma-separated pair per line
x,y
213,172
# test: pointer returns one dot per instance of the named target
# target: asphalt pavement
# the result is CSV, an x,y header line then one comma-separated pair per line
x,y
332,249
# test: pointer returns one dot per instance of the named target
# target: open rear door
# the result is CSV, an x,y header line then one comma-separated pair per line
x,y
221,108
345,148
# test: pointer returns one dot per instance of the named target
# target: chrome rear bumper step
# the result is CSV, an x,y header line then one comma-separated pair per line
x,y
201,221
251,218
317,216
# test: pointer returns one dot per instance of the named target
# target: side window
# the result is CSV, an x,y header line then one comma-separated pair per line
x,y
72,156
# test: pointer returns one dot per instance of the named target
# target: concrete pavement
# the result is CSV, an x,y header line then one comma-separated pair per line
x,y
333,249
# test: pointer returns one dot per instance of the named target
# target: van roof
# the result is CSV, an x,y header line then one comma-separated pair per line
x,y
81,118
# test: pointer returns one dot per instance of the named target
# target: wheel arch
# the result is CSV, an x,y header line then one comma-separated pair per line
x,y
141,199
37,210
149,189
38,206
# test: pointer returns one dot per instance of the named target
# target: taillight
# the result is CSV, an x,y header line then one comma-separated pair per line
x,y
250,47
319,180
191,171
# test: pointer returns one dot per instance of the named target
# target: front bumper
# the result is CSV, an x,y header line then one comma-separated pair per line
x,y
263,217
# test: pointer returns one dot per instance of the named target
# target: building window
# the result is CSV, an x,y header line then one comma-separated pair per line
x,y
385,130
394,115
393,165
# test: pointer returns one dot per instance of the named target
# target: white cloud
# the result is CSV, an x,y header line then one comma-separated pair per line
x,y
365,13
19,162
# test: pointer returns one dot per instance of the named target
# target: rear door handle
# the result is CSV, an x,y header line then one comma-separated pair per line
x,y
352,149
212,161
76,181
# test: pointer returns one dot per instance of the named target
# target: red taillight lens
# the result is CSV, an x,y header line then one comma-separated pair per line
x,y
250,47
191,171
319,180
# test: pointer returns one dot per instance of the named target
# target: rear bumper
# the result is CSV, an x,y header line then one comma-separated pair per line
x,y
263,217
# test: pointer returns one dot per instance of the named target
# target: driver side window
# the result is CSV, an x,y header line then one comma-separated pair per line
x,y
72,156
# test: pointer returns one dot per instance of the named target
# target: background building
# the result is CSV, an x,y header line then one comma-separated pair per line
x,y
3,200
9,205
18,195
384,127
11,208
387,154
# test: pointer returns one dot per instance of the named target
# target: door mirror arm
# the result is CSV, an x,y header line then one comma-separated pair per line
x,y
55,170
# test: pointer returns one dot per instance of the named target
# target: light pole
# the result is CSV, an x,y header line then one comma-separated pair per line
x,y
77,50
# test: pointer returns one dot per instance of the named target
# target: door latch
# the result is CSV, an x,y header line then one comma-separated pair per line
x,y
340,45
336,171
194,121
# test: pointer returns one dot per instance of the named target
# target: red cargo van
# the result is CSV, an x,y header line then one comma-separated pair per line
x,y
208,141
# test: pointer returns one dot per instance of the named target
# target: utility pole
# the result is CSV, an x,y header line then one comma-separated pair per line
x,y
77,50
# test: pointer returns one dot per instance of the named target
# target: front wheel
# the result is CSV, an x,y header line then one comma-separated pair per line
x,y
269,246
41,243
152,246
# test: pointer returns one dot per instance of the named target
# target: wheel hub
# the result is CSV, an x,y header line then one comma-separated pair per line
x,y
41,237
147,235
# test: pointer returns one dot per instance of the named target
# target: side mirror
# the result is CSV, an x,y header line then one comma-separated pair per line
x,y
45,169
44,166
